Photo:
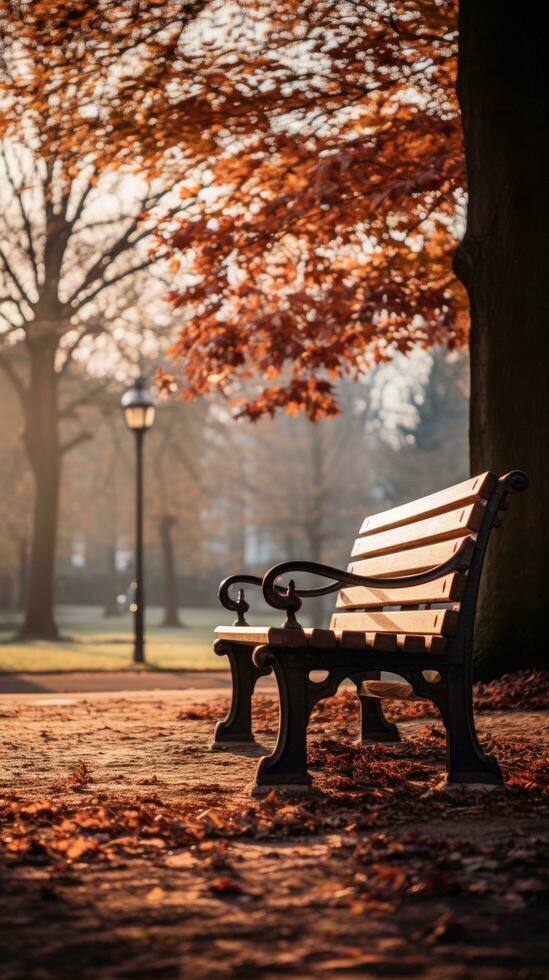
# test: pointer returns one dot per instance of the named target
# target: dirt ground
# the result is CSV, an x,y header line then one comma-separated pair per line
x,y
131,850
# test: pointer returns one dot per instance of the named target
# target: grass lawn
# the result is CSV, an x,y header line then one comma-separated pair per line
x,y
91,642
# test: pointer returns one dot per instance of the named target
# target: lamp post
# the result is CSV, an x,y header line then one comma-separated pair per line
x,y
139,412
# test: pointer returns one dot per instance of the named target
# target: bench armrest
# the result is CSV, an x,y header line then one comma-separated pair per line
x,y
290,598
239,605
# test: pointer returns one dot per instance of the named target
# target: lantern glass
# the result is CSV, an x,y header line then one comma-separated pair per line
x,y
138,407
139,416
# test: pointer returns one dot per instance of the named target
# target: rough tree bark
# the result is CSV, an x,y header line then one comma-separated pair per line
x,y
504,97
44,451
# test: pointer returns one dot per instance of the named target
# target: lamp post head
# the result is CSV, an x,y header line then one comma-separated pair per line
x,y
139,407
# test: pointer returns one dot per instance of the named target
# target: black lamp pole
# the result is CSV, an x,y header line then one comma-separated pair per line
x,y
139,597
139,411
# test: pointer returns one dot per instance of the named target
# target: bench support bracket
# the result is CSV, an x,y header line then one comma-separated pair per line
x,y
298,694
237,726
466,762
287,765
374,726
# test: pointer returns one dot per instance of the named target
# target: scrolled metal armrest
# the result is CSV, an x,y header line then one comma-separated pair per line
x,y
239,605
290,598
223,590
516,481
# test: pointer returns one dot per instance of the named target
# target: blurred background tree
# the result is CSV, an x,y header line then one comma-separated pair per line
x,y
241,495
72,246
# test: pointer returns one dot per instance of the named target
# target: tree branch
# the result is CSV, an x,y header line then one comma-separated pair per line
x,y
99,267
17,193
15,302
14,377
121,275
88,331
76,440
14,278
123,244
11,327
83,198
86,398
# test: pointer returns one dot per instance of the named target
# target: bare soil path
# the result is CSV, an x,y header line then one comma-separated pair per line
x,y
130,850
90,682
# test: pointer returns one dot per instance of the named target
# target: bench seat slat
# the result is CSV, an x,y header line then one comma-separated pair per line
x,y
331,638
391,642
436,503
447,589
407,562
429,621
399,690
278,636
452,524
363,639
417,644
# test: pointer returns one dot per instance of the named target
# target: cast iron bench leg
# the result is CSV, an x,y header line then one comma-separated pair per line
x,y
374,726
466,761
288,763
237,726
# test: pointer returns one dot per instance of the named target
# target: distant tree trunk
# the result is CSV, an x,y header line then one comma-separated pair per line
x,y
504,97
314,526
171,615
111,605
22,573
6,592
42,442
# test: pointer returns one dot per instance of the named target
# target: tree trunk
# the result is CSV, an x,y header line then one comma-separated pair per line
x,y
171,616
111,607
22,573
314,524
504,98
42,442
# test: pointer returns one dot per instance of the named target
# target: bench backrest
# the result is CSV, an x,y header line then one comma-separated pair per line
x,y
407,540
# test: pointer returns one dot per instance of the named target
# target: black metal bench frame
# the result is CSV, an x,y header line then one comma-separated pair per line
x,y
292,665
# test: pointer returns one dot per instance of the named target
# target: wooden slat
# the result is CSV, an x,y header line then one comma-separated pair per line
x,y
433,645
443,527
345,638
436,503
360,639
262,634
391,642
447,589
277,636
321,638
440,621
399,690
407,562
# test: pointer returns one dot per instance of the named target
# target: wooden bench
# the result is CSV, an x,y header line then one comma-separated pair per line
x,y
406,605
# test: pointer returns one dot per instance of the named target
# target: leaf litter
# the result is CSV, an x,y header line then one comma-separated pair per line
x,y
375,844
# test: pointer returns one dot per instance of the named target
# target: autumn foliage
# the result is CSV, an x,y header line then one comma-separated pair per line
x,y
318,150
327,242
